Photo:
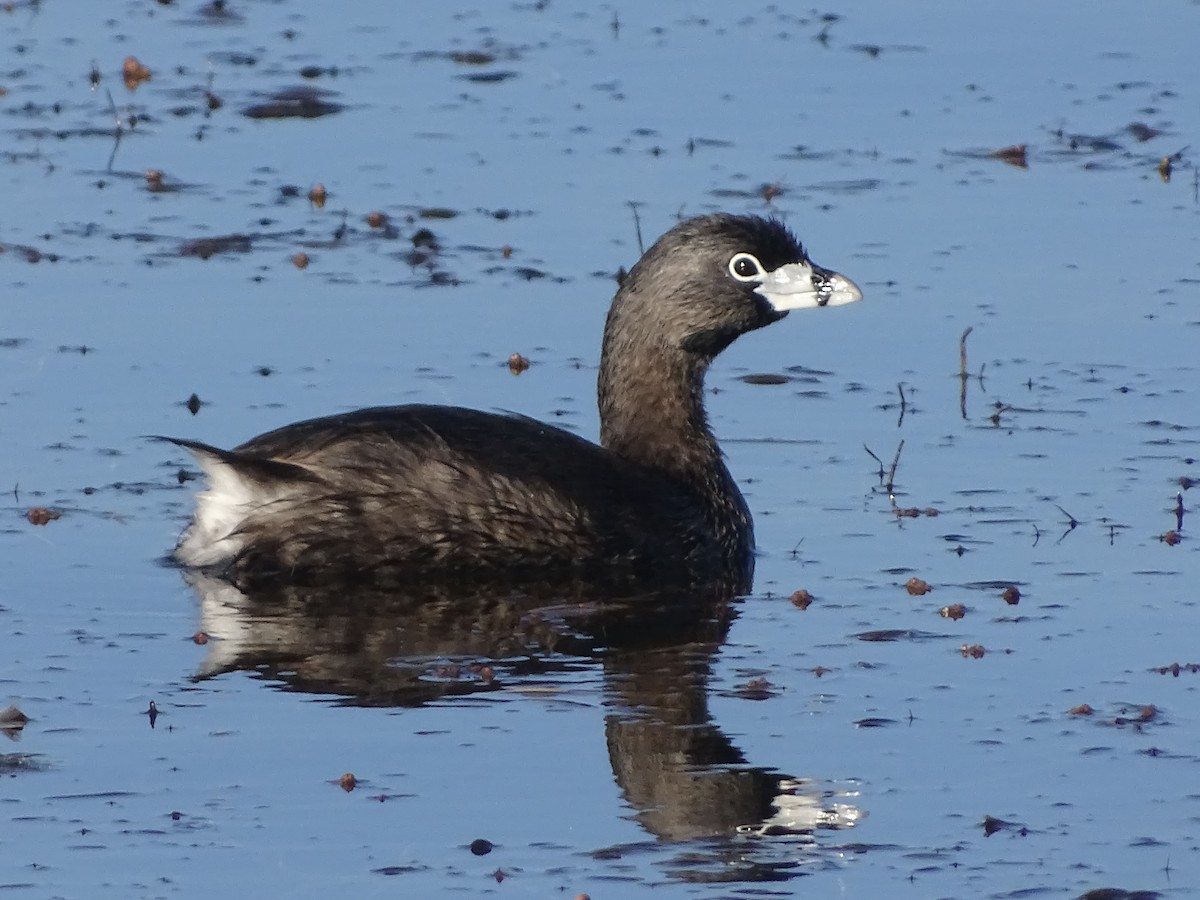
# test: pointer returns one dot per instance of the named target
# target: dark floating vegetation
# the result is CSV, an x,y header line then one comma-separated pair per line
x,y
489,77
206,248
765,378
299,102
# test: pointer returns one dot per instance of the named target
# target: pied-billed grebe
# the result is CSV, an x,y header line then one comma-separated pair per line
x,y
433,492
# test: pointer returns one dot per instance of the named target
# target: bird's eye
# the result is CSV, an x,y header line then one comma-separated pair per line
x,y
744,267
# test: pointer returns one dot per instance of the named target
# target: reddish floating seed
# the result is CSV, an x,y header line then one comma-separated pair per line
x,y
376,219
1011,595
1082,709
1014,156
300,260
134,72
972,651
954,611
517,363
317,196
348,782
801,599
756,689
200,638
771,191
40,515
917,587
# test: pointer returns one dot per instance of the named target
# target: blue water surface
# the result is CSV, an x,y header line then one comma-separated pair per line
x,y
871,129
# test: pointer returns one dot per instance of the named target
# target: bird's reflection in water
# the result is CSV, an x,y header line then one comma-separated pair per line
x,y
408,645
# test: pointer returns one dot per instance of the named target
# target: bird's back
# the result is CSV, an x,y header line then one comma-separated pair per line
x,y
411,490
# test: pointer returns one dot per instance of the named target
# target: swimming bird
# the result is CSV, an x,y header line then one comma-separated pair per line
x,y
431,493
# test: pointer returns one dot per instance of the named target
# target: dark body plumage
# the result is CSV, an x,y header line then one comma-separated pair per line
x,y
435,492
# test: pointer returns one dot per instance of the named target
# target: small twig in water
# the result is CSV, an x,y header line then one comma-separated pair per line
x,y
1001,409
1072,522
891,479
1179,511
118,134
903,404
877,459
963,375
637,226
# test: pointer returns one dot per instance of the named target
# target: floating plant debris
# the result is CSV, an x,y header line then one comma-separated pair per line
x,y
1014,156
299,102
134,72
764,378
1177,668
206,248
917,587
1142,132
472,57
12,719
489,77
801,599
991,825
756,689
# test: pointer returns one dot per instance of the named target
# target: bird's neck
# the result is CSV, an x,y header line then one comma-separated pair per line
x,y
667,430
